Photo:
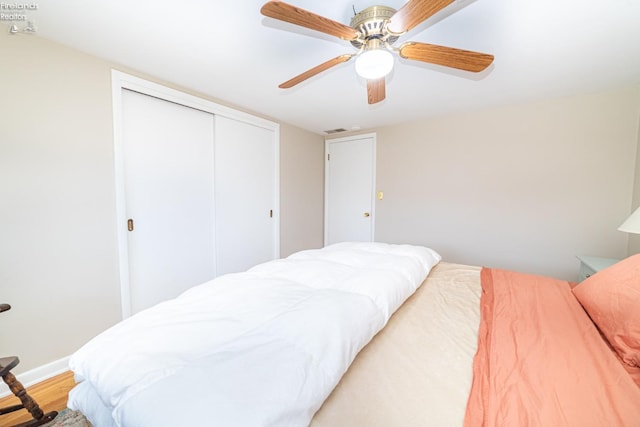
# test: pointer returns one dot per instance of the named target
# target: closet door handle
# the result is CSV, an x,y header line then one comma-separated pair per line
x,y
367,214
130,224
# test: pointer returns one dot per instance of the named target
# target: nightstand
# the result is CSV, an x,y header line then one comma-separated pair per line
x,y
590,265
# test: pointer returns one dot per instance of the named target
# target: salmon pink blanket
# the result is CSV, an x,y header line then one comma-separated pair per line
x,y
542,362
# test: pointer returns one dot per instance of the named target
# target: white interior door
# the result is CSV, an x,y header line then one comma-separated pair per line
x,y
349,189
246,195
169,191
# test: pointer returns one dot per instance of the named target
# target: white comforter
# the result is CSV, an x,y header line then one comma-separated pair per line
x,y
260,348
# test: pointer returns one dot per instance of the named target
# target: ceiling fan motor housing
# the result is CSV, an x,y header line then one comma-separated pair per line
x,y
370,23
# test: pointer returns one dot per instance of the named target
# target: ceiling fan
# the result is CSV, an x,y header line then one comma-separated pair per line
x,y
373,32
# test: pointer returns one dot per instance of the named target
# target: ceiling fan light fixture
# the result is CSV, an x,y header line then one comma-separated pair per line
x,y
374,64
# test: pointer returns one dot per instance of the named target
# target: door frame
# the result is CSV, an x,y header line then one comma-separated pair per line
x,y
121,81
329,141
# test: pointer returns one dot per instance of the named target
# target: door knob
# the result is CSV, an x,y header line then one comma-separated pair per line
x,y
366,215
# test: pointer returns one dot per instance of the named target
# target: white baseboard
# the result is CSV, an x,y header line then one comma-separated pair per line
x,y
38,374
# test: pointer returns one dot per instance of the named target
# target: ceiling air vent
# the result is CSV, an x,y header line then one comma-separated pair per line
x,y
332,131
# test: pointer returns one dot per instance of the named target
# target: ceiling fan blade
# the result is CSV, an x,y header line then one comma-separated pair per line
x,y
447,56
413,13
315,70
376,90
295,15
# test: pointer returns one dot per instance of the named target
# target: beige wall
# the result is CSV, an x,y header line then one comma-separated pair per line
x,y
58,244
302,189
634,239
524,187
58,256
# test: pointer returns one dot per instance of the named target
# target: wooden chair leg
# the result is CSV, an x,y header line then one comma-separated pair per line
x,y
28,403
49,416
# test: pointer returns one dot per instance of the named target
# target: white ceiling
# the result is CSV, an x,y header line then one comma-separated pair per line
x,y
228,50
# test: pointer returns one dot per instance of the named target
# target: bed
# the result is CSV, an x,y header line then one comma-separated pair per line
x,y
373,334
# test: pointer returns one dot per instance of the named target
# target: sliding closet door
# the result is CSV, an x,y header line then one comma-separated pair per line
x,y
169,190
246,195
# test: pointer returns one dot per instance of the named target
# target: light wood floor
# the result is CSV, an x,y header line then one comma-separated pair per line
x,y
51,395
